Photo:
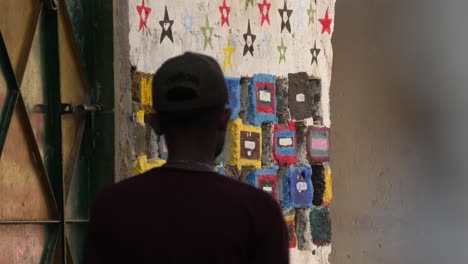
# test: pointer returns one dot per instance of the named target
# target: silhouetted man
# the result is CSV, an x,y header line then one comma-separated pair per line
x,y
184,212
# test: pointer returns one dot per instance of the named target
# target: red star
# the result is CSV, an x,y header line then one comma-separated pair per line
x,y
224,18
143,20
266,14
326,23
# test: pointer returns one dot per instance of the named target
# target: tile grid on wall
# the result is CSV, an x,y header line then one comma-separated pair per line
x,y
279,131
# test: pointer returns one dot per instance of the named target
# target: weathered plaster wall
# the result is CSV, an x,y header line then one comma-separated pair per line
x,y
277,59
122,96
147,52
398,103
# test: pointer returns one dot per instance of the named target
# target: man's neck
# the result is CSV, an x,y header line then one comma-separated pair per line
x,y
191,150
191,147
190,162
200,158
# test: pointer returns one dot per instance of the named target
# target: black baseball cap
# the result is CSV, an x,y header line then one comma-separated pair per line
x,y
188,82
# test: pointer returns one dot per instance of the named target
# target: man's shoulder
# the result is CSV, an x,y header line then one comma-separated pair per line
x,y
123,188
244,188
155,180
160,175
243,194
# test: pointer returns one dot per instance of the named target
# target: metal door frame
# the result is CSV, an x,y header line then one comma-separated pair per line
x,y
95,17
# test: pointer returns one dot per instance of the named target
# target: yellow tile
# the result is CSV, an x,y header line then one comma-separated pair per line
x,y
140,165
155,163
146,87
328,195
235,128
141,116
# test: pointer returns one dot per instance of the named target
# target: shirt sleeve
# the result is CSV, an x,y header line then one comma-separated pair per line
x,y
272,237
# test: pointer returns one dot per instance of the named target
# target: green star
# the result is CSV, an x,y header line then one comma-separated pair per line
x,y
311,12
247,3
207,33
282,51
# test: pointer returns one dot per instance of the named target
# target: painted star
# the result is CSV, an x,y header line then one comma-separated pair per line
x,y
248,47
228,51
326,23
166,25
143,12
311,12
224,10
187,19
315,52
285,23
282,51
247,2
265,11
207,33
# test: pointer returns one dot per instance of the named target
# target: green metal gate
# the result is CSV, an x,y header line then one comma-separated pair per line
x,y
56,126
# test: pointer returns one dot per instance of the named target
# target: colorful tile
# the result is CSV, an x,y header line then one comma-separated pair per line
x,y
328,194
262,94
298,190
318,181
301,96
285,144
234,89
318,144
265,179
320,226
290,224
162,148
246,144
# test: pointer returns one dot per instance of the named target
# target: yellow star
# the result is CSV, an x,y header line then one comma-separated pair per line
x,y
228,51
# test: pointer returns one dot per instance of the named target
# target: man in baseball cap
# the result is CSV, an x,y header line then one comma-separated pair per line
x,y
184,212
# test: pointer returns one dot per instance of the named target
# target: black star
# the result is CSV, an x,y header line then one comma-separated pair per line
x,y
285,24
315,52
166,32
249,47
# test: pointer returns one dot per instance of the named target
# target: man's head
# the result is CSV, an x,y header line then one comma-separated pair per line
x,y
189,99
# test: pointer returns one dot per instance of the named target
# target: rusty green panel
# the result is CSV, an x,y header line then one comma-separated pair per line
x,y
49,48
92,22
26,194
101,75
76,236
9,90
78,18
52,247
18,20
49,59
33,88
77,202
3,91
